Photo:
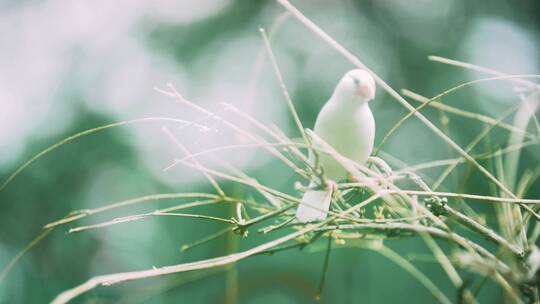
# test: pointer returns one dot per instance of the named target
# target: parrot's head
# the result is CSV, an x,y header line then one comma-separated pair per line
x,y
357,84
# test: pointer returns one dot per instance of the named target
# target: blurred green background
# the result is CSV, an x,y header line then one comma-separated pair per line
x,y
66,66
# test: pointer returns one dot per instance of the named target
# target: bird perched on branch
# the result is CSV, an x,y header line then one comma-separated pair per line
x,y
345,123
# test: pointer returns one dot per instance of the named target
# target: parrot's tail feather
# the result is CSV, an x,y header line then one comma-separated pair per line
x,y
314,206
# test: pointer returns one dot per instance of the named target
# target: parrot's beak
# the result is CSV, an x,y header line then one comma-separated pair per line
x,y
366,91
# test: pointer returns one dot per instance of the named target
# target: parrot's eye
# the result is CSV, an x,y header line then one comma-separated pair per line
x,y
356,81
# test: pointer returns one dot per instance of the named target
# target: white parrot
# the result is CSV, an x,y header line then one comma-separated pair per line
x,y
346,123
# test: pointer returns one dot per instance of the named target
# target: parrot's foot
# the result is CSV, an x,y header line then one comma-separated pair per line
x,y
353,178
357,179
332,186
383,184
368,181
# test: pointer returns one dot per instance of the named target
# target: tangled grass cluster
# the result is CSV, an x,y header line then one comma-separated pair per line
x,y
384,199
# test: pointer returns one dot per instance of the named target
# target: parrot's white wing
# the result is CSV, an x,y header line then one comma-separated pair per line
x,y
346,123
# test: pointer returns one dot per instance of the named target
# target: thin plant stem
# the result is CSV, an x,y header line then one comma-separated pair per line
x,y
405,229
259,60
407,266
438,97
87,212
231,246
272,199
325,267
470,146
7,269
209,177
271,228
478,68
142,216
88,132
467,114
451,194
483,230
206,239
279,77
174,93
527,109
148,292
292,147
200,216
484,156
